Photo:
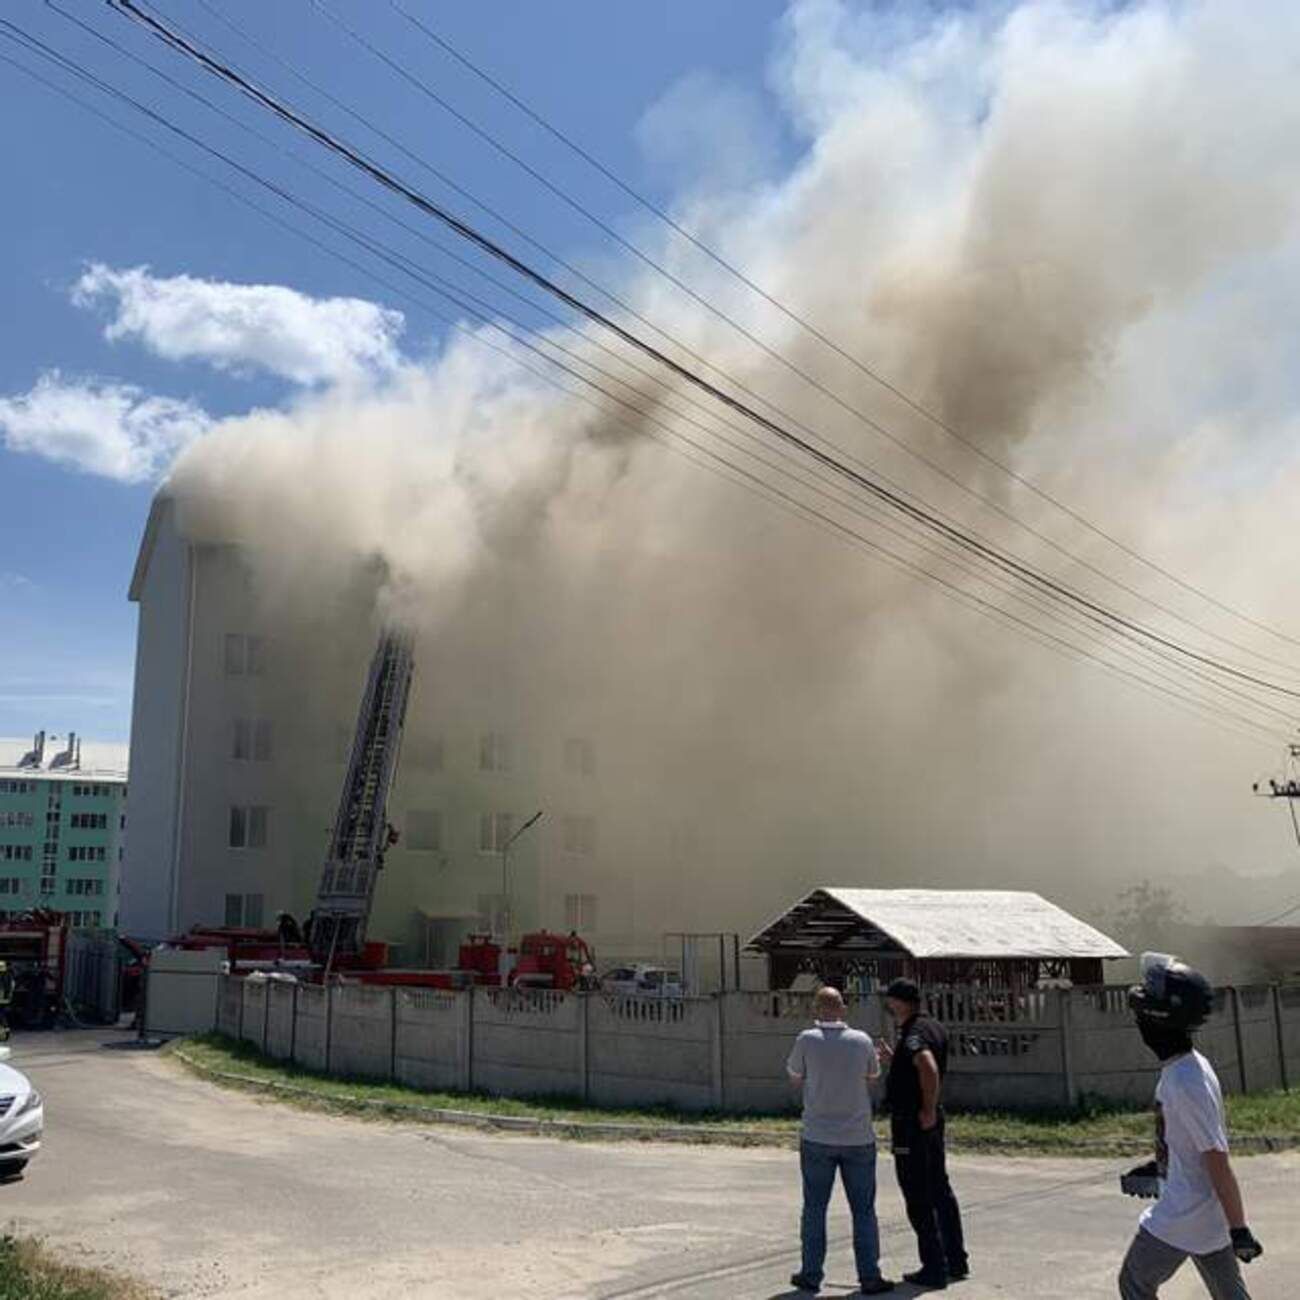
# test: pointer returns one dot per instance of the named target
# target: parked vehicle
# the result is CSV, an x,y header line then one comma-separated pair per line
x,y
641,980
22,1117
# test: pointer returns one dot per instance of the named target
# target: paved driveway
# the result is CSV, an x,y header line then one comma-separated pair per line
x,y
209,1193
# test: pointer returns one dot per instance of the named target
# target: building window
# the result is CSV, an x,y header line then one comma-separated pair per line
x,y
494,752
245,910
423,830
87,853
252,739
79,886
10,884
245,656
579,756
84,821
15,852
580,912
248,826
494,830
579,834
25,820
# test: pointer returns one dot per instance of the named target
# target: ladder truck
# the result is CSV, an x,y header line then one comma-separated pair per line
x,y
336,928
333,939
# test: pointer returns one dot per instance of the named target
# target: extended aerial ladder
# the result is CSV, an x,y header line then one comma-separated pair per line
x,y
336,928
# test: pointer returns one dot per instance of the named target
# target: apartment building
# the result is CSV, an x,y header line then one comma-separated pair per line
x,y
242,720
62,834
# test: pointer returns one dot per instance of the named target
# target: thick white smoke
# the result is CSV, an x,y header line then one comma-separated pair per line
x,y
1069,230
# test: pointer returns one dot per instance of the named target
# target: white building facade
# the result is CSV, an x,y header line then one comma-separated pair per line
x,y
242,721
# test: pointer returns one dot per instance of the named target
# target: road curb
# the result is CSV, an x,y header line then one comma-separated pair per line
x,y
693,1134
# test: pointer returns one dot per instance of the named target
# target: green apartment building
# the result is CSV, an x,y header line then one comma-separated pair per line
x,y
62,837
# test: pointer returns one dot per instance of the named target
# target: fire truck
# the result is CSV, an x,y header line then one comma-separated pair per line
x,y
332,942
33,954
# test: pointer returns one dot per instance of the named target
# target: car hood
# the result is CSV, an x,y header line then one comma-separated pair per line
x,y
13,1083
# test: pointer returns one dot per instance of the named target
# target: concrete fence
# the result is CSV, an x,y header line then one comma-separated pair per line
x,y
1008,1050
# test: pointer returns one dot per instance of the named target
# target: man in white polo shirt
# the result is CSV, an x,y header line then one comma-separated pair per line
x,y
833,1064
1199,1213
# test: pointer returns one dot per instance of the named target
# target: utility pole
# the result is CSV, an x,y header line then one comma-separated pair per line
x,y
1287,787
505,873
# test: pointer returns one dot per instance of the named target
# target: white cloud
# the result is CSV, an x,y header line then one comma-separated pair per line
x,y
107,428
245,327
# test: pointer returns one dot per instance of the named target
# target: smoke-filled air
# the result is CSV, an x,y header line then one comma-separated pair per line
x,y
1067,230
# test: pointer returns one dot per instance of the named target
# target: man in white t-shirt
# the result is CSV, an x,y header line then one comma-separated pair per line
x,y
832,1064
1199,1213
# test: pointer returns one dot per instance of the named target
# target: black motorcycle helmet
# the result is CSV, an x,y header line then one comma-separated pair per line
x,y
1172,994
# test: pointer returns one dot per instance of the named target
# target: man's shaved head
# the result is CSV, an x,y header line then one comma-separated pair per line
x,y
829,1003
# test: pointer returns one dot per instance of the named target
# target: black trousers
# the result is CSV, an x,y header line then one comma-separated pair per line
x,y
932,1209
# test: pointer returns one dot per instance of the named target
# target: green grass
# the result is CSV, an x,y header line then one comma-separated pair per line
x,y
1096,1128
29,1272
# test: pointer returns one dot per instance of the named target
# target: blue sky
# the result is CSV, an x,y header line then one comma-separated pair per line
x,y
82,194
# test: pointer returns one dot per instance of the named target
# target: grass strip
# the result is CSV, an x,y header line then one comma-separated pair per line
x,y
1266,1122
28,1271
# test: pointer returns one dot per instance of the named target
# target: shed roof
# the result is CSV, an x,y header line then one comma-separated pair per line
x,y
934,923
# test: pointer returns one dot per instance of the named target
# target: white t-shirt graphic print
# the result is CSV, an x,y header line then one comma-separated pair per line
x,y
1189,1122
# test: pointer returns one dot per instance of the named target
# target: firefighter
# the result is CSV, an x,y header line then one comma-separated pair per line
x,y
1199,1211
917,1062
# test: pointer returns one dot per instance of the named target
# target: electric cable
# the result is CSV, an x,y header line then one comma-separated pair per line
x,y
284,195
814,331
1104,616
990,503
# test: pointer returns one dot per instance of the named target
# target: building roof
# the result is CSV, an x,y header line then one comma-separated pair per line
x,y
101,760
934,923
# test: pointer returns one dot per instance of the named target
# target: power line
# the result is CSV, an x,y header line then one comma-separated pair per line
x,y
1092,609
814,331
754,482
773,408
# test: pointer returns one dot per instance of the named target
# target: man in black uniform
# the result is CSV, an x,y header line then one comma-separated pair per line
x,y
917,1062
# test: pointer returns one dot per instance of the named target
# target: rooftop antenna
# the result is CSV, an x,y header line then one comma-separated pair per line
x,y
1287,786
65,757
35,756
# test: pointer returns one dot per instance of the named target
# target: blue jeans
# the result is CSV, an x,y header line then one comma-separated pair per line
x,y
857,1165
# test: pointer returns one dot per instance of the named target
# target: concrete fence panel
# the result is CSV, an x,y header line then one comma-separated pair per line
x,y
1005,1048
651,1051
758,1030
1110,1060
282,997
1288,1017
311,1028
253,1029
361,1031
1259,1045
528,1041
1221,1041
230,1001
431,1038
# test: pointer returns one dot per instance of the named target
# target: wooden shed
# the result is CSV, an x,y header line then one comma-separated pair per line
x,y
982,937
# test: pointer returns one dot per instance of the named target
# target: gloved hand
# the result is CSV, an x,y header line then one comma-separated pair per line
x,y
1244,1245
1141,1180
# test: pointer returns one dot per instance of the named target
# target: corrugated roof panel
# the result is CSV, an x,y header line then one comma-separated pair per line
x,y
938,923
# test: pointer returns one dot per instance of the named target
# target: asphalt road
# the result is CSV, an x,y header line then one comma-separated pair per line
x,y
207,1193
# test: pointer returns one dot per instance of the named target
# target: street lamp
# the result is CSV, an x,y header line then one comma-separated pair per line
x,y
505,872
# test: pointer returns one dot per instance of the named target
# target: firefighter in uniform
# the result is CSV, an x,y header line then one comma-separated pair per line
x,y
917,1062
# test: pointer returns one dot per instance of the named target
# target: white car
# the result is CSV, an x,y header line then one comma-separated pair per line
x,y
22,1117
640,980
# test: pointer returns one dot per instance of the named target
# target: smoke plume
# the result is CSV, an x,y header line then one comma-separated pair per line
x,y
1068,230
